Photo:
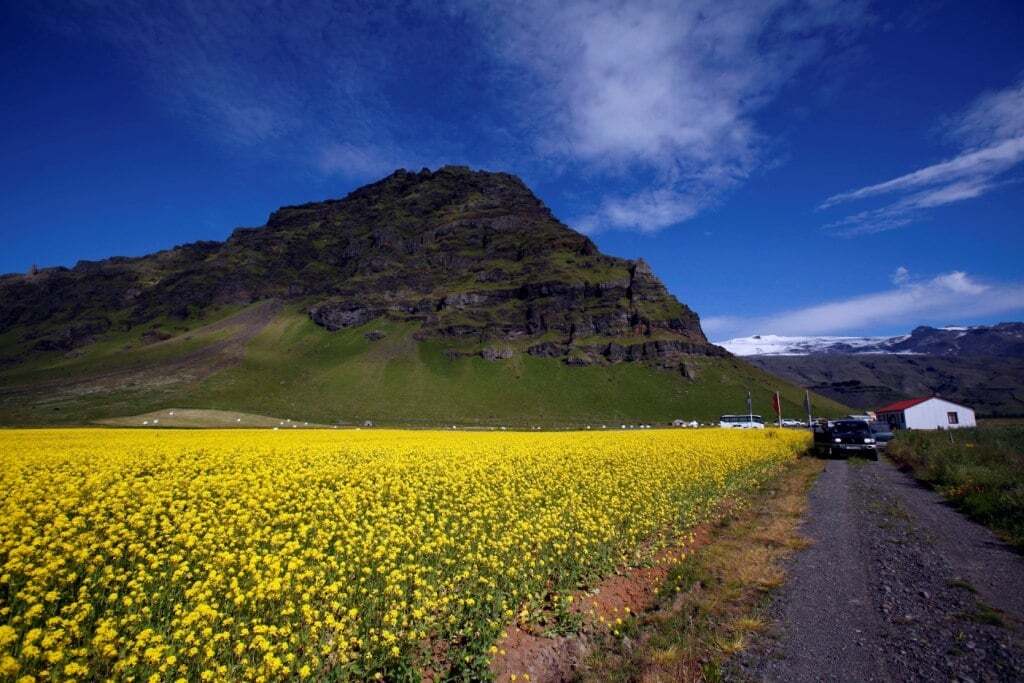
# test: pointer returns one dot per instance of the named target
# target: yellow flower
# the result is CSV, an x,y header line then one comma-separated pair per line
x,y
7,635
248,554
8,666
75,669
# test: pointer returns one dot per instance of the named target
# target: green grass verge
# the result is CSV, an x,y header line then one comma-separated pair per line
x,y
980,470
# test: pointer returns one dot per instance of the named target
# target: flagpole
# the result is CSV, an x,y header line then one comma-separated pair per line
x,y
778,404
807,404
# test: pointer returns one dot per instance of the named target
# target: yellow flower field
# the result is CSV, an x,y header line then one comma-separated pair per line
x,y
263,555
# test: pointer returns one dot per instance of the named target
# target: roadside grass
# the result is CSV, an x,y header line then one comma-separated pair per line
x,y
981,471
984,614
712,603
893,515
1001,421
963,585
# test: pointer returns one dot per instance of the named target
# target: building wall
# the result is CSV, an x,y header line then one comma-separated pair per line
x,y
933,414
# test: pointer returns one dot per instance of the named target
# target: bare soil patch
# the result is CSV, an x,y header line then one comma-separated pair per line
x,y
201,418
606,608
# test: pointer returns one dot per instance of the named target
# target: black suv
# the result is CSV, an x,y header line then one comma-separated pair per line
x,y
845,438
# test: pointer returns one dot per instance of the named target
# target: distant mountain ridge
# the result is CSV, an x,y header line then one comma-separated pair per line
x,y
981,366
1005,340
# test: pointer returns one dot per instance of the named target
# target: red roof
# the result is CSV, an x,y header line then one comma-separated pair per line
x,y
902,405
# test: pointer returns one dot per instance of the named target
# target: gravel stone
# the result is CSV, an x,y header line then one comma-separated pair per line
x,y
896,586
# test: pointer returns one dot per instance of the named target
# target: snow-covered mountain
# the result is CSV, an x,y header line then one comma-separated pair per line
x,y
778,345
981,366
1004,340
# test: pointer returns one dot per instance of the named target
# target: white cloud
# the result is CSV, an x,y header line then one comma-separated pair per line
x,y
993,116
665,91
656,96
970,166
643,212
901,276
993,130
950,297
959,282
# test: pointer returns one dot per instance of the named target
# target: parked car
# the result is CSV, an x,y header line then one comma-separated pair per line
x,y
882,433
845,438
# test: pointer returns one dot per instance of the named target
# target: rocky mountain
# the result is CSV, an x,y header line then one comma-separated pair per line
x,y
980,366
473,257
1004,340
424,297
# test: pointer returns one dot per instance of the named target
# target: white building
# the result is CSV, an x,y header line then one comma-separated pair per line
x,y
927,412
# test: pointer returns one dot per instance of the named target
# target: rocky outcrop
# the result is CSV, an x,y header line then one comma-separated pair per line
x,y
71,336
501,352
655,350
339,315
548,350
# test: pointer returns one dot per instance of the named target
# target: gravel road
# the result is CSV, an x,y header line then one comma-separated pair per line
x,y
896,586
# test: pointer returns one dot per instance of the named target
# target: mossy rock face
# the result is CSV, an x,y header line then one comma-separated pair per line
x,y
470,256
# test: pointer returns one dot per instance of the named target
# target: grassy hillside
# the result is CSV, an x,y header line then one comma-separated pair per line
x,y
272,360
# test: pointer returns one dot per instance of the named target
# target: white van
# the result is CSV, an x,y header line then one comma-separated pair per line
x,y
741,422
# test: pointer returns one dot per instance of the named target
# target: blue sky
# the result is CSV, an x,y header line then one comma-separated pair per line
x,y
808,167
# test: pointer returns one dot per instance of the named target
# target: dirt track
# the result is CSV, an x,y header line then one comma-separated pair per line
x,y
896,586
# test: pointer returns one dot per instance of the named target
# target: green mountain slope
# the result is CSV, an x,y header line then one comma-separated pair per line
x,y
272,359
448,296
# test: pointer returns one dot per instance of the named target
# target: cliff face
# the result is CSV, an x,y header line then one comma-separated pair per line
x,y
474,258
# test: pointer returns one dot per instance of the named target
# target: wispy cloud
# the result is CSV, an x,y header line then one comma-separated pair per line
x,y
655,98
313,83
664,91
945,298
644,212
991,134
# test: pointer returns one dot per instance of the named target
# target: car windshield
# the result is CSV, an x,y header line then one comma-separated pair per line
x,y
849,427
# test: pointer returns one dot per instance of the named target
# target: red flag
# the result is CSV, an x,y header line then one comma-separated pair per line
x,y
776,404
